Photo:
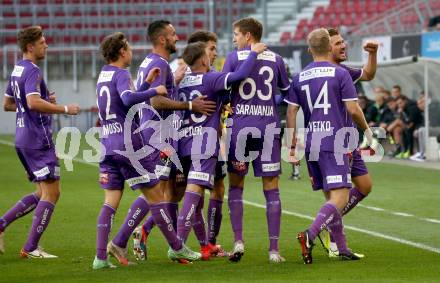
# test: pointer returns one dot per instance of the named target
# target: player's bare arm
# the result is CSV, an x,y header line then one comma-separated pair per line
x,y
36,103
369,70
9,104
198,105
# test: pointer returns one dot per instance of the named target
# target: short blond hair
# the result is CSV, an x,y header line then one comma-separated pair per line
x,y
319,41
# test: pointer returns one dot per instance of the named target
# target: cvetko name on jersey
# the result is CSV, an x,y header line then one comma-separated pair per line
x,y
113,128
319,126
256,110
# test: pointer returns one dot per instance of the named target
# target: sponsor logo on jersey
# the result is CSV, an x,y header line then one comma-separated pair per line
x,y
18,71
105,76
318,72
146,62
191,81
265,56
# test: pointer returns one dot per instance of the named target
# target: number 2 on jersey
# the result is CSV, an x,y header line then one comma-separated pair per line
x,y
108,115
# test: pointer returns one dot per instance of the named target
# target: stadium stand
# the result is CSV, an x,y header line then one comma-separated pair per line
x,y
86,22
364,17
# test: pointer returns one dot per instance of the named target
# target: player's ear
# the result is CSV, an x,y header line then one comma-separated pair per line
x,y
309,51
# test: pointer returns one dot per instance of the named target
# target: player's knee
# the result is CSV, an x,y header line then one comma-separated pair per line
x,y
217,195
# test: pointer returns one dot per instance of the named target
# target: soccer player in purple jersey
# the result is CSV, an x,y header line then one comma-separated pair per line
x,y
255,128
115,95
163,37
198,143
326,94
28,96
216,194
359,172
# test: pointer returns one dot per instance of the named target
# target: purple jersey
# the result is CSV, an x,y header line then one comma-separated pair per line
x,y
113,83
33,129
253,100
355,73
320,90
166,78
213,85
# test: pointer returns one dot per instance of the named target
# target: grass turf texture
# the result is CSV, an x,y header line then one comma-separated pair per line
x,y
71,234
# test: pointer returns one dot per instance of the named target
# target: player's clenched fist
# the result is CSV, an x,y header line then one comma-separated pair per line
x,y
161,90
152,75
371,46
73,109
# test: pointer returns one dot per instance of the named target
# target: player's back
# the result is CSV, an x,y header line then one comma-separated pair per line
x,y
114,82
213,86
33,129
166,78
321,89
253,99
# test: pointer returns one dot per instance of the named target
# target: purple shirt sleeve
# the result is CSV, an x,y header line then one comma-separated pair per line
x,y
9,92
162,78
283,78
355,73
128,96
244,70
229,65
32,83
292,96
348,91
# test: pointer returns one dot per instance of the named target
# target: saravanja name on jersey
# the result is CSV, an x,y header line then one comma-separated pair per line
x,y
257,110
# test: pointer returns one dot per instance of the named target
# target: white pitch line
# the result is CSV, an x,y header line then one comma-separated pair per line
x,y
403,214
371,207
308,217
431,220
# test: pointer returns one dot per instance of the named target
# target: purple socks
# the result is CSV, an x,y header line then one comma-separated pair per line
x,y
354,198
235,202
273,215
185,220
41,220
105,221
214,219
136,213
20,209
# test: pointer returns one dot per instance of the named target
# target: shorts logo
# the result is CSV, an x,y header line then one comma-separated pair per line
x,y
271,167
239,165
130,223
42,172
349,178
103,178
199,176
334,179
138,180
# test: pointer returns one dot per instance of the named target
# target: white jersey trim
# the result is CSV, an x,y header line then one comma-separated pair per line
x,y
125,91
362,73
291,103
226,82
7,95
32,93
350,99
286,88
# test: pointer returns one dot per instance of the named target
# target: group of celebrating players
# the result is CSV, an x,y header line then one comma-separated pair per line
x,y
175,131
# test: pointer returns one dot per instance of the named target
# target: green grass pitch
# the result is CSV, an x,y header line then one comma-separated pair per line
x,y
408,196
